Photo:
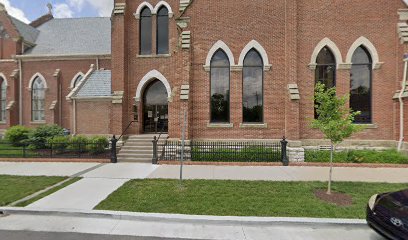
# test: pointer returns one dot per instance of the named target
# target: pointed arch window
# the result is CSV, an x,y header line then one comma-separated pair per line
x,y
3,99
146,32
325,70
38,100
220,87
253,87
162,35
361,85
77,80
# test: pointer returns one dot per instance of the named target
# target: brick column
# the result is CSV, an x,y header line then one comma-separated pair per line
x,y
119,76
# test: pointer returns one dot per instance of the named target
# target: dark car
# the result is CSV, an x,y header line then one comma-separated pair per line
x,y
387,214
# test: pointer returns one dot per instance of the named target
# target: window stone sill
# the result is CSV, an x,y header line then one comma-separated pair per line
x,y
3,122
38,122
253,125
154,56
220,125
369,126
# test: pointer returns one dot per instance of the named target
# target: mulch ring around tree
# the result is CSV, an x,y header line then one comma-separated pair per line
x,y
339,199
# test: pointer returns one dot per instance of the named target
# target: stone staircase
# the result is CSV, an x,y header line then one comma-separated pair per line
x,y
139,148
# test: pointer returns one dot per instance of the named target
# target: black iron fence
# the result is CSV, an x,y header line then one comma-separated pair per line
x,y
204,151
57,150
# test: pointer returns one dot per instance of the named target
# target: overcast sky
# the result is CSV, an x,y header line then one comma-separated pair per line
x,y
28,10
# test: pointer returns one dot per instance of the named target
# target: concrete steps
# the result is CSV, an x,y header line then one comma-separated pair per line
x,y
139,148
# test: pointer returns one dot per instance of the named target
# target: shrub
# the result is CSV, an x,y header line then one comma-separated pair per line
x,y
38,137
358,156
17,135
78,144
58,143
98,144
245,154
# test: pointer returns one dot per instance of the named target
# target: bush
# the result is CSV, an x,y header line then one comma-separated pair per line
x,y
58,143
17,135
78,144
391,156
98,144
245,154
38,137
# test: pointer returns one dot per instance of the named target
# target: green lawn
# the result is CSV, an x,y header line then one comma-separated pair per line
x,y
358,156
13,188
241,198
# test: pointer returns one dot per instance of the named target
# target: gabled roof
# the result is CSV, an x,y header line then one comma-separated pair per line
x,y
73,36
26,31
97,85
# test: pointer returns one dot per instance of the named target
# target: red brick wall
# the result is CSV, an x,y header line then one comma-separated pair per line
x,y
93,117
69,68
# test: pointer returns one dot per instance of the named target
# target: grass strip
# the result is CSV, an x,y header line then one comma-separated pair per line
x,y
241,198
13,188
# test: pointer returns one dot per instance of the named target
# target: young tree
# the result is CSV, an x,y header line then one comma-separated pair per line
x,y
334,120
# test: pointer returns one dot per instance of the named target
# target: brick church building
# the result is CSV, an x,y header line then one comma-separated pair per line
x,y
239,69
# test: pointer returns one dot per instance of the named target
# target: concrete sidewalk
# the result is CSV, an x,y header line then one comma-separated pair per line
x,y
262,173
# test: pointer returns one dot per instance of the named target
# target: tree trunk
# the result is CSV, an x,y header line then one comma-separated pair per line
x,y
331,169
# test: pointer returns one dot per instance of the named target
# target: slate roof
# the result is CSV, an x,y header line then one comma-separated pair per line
x,y
97,85
73,36
29,33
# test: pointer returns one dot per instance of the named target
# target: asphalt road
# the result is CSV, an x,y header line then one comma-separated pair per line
x,y
28,235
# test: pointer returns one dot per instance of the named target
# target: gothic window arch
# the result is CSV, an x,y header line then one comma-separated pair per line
x,y
325,72
77,78
220,87
3,99
162,36
253,76
145,32
38,87
361,85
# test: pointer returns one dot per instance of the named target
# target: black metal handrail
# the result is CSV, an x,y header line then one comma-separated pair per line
x,y
123,133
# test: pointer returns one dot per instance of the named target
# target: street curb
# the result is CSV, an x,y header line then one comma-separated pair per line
x,y
179,218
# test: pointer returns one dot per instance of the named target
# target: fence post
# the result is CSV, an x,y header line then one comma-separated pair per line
x,y
284,145
114,158
51,149
155,158
24,151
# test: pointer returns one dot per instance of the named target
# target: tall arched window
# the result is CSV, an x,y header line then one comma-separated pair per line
x,y
253,87
146,32
77,80
361,78
220,88
3,99
38,100
325,69
162,31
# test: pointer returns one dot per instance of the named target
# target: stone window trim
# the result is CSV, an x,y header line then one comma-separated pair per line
x,y
153,10
3,122
254,125
71,86
154,56
258,47
220,125
39,75
151,76
238,67
367,44
219,45
326,42
368,125
38,122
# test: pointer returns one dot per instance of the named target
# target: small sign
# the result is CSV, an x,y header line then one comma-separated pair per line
x,y
150,114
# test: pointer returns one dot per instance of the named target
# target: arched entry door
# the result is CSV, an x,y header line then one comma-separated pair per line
x,y
155,108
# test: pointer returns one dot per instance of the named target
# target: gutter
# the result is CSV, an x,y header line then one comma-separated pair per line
x,y
401,101
62,56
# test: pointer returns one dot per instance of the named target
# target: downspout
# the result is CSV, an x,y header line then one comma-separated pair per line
x,y
401,101
74,115
20,93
